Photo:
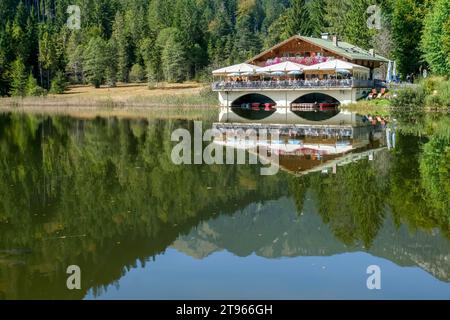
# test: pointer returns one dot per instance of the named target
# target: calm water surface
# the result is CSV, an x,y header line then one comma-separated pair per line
x,y
103,194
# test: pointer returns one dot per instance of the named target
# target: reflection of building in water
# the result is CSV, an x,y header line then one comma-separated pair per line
x,y
305,147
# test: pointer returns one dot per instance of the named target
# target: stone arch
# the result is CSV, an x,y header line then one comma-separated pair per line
x,y
253,106
318,97
316,106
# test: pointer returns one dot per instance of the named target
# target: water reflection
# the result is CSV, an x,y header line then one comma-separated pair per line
x,y
302,148
104,195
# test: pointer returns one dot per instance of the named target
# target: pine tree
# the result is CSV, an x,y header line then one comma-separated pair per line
x,y
297,19
247,41
219,29
32,88
47,54
187,20
152,59
336,16
160,14
111,57
436,38
124,47
174,59
95,58
137,73
357,31
59,83
316,14
276,32
18,78
407,24
74,54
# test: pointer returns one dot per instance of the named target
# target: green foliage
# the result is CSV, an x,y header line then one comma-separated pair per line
x,y
435,171
316,12
137,73
32,88
409,98
59,83
436,38
152,59
356,29
173,58
440,96
351,203
111,55
407,25
210,34
247,43
297,19
74,53
336,16
123,45
95,61
18,76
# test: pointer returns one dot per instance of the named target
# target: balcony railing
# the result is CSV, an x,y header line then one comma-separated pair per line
x,y
292,84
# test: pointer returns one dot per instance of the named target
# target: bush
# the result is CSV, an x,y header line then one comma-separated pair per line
x,y
32,88
431,84
137,73
408,105
439,97
59,84
409,98
205,75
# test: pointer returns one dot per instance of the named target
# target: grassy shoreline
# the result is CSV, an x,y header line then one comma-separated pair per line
x,y
172,100
123,96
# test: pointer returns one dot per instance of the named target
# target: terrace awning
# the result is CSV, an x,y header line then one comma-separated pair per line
x,y
237,69
285,67
334,65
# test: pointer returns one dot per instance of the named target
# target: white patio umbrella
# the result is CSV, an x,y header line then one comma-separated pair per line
x,y
237,68
389,72
334,65
277,73
284,67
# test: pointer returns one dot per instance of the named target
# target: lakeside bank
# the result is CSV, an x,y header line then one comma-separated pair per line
x,y
136,95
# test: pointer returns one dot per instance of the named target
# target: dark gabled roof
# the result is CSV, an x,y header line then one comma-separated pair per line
x,y
344,49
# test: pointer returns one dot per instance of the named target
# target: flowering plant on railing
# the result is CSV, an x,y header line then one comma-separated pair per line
x,y
307,61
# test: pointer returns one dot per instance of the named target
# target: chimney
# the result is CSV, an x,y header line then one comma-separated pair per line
x,y
335,40
372,52
325,36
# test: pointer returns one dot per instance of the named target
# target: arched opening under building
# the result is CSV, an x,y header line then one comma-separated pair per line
x,y
254,106
315,107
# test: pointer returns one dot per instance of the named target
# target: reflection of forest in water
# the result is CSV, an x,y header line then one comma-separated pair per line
x,y
104,194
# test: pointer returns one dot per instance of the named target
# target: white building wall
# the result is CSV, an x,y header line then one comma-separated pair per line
x,y
283,98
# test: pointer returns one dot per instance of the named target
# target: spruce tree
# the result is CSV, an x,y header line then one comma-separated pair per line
x,y
124,47
59,83
436,38
297,19
174,60
32,88
357,31
152,59
336,16
95,61
316,14
18,78
407,25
